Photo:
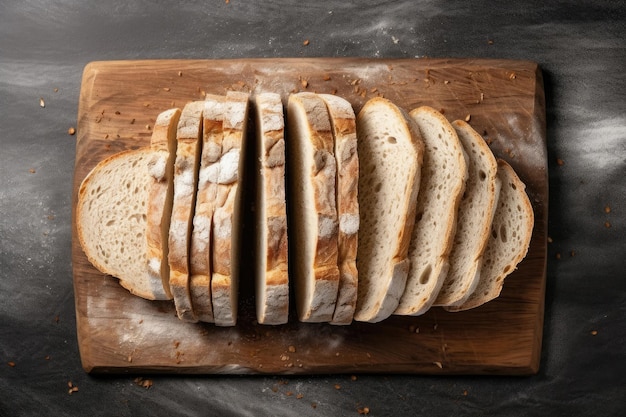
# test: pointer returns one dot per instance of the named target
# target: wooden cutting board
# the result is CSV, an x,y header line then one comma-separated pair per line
x,y
503,100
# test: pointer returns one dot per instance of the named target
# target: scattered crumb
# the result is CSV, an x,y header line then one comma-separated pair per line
x,y
363,410
56,90
314,405
468,117
395,40
41,102
32,170
71,131
326,77
11,364
117,112
291,349
353,378
572,253
132,122
435,326
147,127
284,357
144,383
180,73
465,393
607,224
490,42
304,83
607,209
166,89
47,357
594,332
550,239
306,42
438,364
299,396
72,388
289,393
337,386
558,255
512,76
176,344
560,162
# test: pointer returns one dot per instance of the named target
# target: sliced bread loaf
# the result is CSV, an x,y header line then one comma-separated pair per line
x,y
163,146
313,221
474,218
188,136
343,123
390,153
508,243
226,236
201,236
443,180
271,246
111,216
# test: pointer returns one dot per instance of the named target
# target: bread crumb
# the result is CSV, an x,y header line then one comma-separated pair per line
x,y
289,393
314,405
363,410
306,42
41,102
284,357
594,332
550,239
71,131
326,77
465,393
56,90
180,73
572,253
299,396
32,170
144,383
304,83
132,122
607,224
166,89
557,255
11,364
468,117
337,386
560,162
353,378
512,76
291,349
72,388
438,364
490,42
607,209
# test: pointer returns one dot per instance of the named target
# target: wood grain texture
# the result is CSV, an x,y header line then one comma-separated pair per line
x,y
121,333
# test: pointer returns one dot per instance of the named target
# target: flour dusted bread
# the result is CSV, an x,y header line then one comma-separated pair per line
x,y
161,193
443,180
271,270
474,218
226,235
313,223
188,152
508,243
390,153
111,218
343,123
201,236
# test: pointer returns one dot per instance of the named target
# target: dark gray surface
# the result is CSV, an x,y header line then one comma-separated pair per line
x,y
44,46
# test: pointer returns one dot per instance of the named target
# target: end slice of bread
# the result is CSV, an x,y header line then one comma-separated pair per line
x,y
226,229
111,217
201,236
474,218
161,168
271,248
443,180
188,152
511,231
390,152
343,123
313,220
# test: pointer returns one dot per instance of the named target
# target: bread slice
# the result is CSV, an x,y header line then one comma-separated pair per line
x,y
443,180
343,123
226,217
200,249
313,223
508,243
271,246
390,153
111,215
188,136
474,218
161,168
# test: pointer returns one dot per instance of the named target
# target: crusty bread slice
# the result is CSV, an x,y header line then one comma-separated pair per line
x,y
390,152
443,180
188,136
111,215
511,231
271,246
201,236
159,214
474,218
311,173
343,123
226,236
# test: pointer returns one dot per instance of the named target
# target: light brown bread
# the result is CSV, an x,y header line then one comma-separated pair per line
x,y
111,215
188,136
201,236
161,193
343,123
226,235
390,153
443,180
511,231
474,218
313,226
271,270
